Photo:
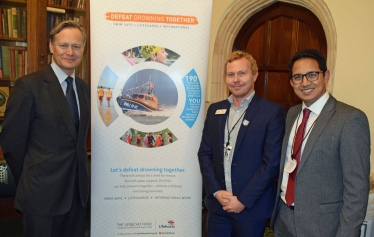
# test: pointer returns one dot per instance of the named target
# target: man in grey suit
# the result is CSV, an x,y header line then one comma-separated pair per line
x,y
44,140
323,185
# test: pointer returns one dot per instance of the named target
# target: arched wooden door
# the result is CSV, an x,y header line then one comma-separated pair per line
x,y
272,36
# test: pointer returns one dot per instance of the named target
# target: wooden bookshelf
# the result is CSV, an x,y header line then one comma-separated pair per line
x,y
13,38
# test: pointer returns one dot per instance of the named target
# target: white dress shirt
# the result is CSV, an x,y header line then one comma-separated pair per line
x,y
61,76
315,109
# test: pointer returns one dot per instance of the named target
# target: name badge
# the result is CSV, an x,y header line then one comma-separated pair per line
x,y
290,165
220,111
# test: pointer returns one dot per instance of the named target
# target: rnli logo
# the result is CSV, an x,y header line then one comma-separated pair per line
x,y
171,222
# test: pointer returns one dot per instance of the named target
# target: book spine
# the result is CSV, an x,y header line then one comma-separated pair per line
x,y
5,22
12,63
1,64
60,19
9,22
19,22
52,21
1,22
82,20
6,61
79,4
23,57
16,64
26,63
14,23
24,23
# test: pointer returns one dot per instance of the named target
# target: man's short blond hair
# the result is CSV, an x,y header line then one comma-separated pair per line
x,y
67,24
238,55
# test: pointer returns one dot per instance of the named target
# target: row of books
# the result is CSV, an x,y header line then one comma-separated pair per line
x,y
13,61
54,18
13,22
81,4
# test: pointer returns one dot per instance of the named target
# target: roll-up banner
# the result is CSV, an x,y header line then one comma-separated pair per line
x,y
148,79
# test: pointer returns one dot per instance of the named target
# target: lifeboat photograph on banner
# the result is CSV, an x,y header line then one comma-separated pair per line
x,y
149,97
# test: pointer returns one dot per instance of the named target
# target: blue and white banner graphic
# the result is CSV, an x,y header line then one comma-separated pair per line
x,y
148,80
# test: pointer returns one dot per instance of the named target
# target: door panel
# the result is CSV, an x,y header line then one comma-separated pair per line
x,y
259,39
280,40
272,36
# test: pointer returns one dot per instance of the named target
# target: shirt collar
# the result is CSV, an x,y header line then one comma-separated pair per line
x,y
317,106
245,102
61,75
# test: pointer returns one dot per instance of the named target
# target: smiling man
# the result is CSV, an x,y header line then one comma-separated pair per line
x,y
323,185
44,140
239,154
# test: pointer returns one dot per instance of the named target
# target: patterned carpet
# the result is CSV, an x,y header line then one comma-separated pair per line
x,y
268,233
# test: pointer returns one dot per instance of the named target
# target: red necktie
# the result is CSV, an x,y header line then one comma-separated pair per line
x,y
290,193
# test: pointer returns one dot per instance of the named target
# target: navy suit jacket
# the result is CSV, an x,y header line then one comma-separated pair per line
x,y
41,146
256,157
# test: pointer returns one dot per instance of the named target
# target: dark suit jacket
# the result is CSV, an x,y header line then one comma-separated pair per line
x,y
331,192
256,157
41,146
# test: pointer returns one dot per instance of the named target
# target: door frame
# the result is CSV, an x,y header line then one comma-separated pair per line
x,y
237,16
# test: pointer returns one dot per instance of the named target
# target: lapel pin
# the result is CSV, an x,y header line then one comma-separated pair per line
x,y
245,122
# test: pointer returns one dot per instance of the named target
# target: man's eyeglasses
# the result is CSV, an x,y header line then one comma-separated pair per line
x,y
310,76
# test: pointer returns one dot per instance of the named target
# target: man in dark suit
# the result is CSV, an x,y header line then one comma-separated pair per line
x,y
44,140
239,154
324,180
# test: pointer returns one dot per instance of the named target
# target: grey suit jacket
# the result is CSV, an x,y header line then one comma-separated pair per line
x,y
332,183
41,146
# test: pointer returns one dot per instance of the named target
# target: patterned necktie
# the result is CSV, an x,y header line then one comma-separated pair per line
x,y
290,193
72,102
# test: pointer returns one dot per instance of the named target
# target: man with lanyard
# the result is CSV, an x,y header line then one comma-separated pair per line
x,y
323,185
239,154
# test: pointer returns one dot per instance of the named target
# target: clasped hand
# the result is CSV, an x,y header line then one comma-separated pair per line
x,y
229,202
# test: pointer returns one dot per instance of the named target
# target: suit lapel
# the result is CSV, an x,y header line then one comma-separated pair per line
x,y
83,106
291,118
321,122
222,125
249,115
58,97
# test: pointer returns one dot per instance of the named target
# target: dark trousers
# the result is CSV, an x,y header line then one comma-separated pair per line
x,y
284,225
223,224
70,224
